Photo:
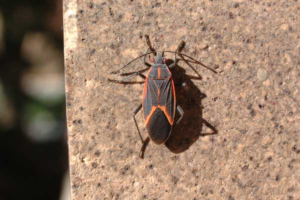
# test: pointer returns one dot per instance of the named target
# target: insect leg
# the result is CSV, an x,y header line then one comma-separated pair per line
x,y
179,109
147,140
137,127
143,149
180,46
142,76
175,61
149,48
125,81
149,45
145,62
135,74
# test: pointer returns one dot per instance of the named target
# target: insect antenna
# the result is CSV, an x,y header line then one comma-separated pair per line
x,y
114,72
196,61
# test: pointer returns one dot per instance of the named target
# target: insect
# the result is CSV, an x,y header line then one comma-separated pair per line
x,y
159,97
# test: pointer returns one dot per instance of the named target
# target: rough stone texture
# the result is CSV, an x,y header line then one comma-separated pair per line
x,y
255,153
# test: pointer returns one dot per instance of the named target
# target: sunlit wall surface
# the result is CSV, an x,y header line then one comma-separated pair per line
x,y
33,151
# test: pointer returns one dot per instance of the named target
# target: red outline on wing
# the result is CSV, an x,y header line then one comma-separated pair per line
x,y
163,108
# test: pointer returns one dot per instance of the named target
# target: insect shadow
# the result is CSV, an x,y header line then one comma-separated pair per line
x,y
189,97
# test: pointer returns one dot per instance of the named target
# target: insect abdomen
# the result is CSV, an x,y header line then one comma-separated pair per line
x,y
159,128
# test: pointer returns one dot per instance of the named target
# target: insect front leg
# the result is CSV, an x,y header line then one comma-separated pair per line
x,y
180,46
149,45
149,48
145,62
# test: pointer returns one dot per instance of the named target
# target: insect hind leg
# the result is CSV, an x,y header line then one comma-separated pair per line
x,y
144,142
137,127
181,112
143,149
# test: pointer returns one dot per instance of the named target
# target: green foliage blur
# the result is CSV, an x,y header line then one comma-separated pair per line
x,y
33,150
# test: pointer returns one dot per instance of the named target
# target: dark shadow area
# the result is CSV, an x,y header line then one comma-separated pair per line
x,y
30,171
33,147
189,97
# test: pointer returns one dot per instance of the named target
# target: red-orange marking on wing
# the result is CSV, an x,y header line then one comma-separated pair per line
x,y
159,72
164,108
169,117
145,88
173,89
149,72
146,84
150,115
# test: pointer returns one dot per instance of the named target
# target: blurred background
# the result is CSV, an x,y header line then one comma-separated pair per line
x,y
33,135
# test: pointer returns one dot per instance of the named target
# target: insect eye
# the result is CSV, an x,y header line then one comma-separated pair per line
x,y
165,60
152,60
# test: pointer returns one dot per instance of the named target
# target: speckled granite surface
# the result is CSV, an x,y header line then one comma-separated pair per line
x,y
239,138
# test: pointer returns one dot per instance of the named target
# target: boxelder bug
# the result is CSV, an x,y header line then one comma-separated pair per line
x,y
159,99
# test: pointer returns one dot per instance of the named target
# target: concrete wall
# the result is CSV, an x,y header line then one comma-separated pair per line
x,y
239,138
